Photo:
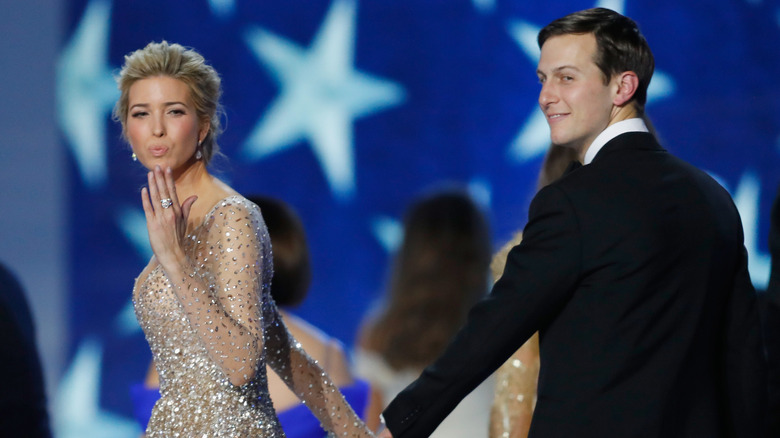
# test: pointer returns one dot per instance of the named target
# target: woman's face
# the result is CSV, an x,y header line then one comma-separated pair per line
x,y
162,124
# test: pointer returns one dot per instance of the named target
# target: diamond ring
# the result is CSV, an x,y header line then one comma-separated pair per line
x,y
167,202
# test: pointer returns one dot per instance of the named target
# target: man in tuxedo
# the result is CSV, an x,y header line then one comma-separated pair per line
x,y
632,268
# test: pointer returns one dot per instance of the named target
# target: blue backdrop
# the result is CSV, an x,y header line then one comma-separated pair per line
x,y
347,110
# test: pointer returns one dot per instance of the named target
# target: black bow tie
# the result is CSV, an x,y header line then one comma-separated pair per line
x,y
574,165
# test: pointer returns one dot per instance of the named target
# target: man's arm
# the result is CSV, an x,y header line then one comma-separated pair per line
x,y
540,275
745,364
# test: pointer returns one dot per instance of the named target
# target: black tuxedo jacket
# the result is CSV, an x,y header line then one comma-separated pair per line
x,y
634,272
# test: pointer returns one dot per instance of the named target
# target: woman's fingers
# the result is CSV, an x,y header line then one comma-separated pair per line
x,y
154,193
148,210
170,186
162,187
166,228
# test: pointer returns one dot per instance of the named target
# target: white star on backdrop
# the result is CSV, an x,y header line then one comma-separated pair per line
x,y
322,94
746,197
223,8
77,412
484,6
534,137
132,222
618,6
86,92
388,232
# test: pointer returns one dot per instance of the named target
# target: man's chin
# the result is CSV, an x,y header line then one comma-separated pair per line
x,y
565,144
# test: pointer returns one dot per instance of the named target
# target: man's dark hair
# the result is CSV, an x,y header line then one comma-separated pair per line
x,y
620,45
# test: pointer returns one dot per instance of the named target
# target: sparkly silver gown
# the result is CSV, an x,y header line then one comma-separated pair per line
x,y
212,333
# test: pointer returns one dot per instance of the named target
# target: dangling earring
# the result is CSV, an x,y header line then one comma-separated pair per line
x,y
198,154
134,157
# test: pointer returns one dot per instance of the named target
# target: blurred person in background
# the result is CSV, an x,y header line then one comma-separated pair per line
x,y
23,410
438,273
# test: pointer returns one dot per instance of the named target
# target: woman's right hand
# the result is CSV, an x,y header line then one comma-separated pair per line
x,y
167,226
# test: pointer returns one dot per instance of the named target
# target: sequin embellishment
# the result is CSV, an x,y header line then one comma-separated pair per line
x,y
212,332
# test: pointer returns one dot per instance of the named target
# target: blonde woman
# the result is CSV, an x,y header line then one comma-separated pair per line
x,y
203,300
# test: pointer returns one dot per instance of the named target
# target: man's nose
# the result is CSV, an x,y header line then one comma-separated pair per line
x,y
547,95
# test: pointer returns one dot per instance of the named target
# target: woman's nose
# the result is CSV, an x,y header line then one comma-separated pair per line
x,y
158,127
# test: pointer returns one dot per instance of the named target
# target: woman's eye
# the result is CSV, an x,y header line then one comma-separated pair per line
x,y
138,114
177,112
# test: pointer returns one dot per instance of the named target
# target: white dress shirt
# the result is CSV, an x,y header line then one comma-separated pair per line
x,y
612,131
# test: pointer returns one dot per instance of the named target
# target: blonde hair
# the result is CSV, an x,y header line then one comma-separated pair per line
x,y
186,65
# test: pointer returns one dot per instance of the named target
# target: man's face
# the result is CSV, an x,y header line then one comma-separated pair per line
x,y
574,99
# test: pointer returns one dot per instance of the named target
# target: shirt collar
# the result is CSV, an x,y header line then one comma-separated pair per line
x,y
612,131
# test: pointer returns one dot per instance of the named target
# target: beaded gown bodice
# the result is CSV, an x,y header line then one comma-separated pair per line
x,y
212,332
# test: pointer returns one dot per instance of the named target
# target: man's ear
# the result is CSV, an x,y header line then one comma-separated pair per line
x,y
627,84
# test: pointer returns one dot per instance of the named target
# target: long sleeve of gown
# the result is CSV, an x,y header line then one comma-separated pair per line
x,y
222,285
516,380
515,392
307,380
226,293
